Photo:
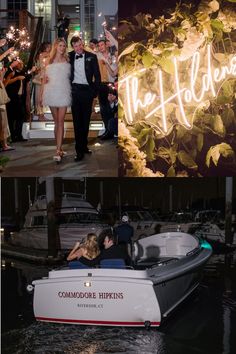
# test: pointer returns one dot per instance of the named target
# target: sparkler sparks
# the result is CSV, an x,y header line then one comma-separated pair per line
x,y
18,38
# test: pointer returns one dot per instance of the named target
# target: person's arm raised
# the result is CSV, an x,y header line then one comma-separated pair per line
x,y
76,252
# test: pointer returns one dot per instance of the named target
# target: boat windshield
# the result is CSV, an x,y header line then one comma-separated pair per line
x,y
182,217
68,218
139,215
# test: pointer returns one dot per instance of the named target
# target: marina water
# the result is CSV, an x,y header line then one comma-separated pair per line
x,y
205,323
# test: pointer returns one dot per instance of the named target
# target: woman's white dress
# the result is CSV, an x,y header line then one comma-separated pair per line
x,y
57,91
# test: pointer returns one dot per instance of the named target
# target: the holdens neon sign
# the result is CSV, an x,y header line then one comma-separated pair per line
x,y
153,103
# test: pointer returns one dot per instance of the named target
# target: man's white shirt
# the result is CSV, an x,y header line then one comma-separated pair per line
x,y
79,71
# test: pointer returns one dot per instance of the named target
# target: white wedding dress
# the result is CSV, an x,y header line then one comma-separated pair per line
x,y
57,91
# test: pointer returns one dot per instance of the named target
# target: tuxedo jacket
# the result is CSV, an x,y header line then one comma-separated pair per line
x,y
91,70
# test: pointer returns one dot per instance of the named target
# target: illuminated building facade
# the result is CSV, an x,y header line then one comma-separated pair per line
x,y
85,16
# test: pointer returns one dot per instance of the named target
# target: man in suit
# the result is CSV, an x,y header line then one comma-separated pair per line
x,y
85,79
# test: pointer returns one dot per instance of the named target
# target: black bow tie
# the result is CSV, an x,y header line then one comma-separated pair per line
x,y
78,56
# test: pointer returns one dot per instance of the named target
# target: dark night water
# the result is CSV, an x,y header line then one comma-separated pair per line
x,y
204,324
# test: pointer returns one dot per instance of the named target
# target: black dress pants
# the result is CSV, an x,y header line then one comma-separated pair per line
x,y
15,115
82,101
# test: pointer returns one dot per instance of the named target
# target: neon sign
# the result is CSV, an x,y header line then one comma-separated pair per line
x,y
154,102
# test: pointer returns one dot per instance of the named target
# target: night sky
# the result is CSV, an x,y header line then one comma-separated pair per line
x,y
148,192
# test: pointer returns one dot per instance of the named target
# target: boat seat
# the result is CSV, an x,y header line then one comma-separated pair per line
x,y
77,265
113,263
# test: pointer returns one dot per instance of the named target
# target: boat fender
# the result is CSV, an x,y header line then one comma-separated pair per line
x,y
30,288
147,324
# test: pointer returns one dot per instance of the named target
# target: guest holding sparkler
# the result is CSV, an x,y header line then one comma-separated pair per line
x,y
4,128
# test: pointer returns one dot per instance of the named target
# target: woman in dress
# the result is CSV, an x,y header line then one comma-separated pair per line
x,y
56,90
85,252
41,58
4,128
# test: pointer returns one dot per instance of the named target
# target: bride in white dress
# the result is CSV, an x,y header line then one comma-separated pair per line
x,y
56,90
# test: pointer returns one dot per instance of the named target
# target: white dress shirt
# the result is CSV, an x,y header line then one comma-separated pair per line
x,y
79,71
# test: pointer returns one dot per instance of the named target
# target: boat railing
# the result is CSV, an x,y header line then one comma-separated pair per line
x,y
164,262
151,263
195,250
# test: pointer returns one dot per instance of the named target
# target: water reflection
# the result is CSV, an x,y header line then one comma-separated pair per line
x,y
54,338
205,323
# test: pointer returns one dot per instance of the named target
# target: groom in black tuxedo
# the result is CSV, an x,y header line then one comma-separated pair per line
x,y
85,80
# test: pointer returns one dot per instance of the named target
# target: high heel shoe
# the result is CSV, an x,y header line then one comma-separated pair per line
x,y
58,156
63,153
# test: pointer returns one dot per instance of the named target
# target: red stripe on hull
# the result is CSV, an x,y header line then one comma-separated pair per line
x,y
112,323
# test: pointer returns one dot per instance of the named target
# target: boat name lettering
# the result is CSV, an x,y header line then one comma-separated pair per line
x,y
98,306
76,294
110,295
89,295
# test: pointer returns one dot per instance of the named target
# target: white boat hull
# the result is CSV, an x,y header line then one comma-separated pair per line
x,y
125,297
75,219
122,302
212,233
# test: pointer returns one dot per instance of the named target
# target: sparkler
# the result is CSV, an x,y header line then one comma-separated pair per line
x,y
18,38
104,24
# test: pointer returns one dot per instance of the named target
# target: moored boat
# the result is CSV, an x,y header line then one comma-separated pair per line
x,y
75,216
214,233
167,268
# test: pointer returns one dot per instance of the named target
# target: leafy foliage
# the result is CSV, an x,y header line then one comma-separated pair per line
x,y
210,145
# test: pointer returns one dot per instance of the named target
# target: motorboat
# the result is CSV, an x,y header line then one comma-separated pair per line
x,y
167,267
76,217
141,219
211,216
180,221
214,233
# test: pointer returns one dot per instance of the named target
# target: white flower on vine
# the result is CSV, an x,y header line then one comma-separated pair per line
x,y
192,43
208,7
156,51
214,5
227,17
134,156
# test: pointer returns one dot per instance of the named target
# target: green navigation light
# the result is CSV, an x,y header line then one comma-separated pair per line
x,y
205,244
